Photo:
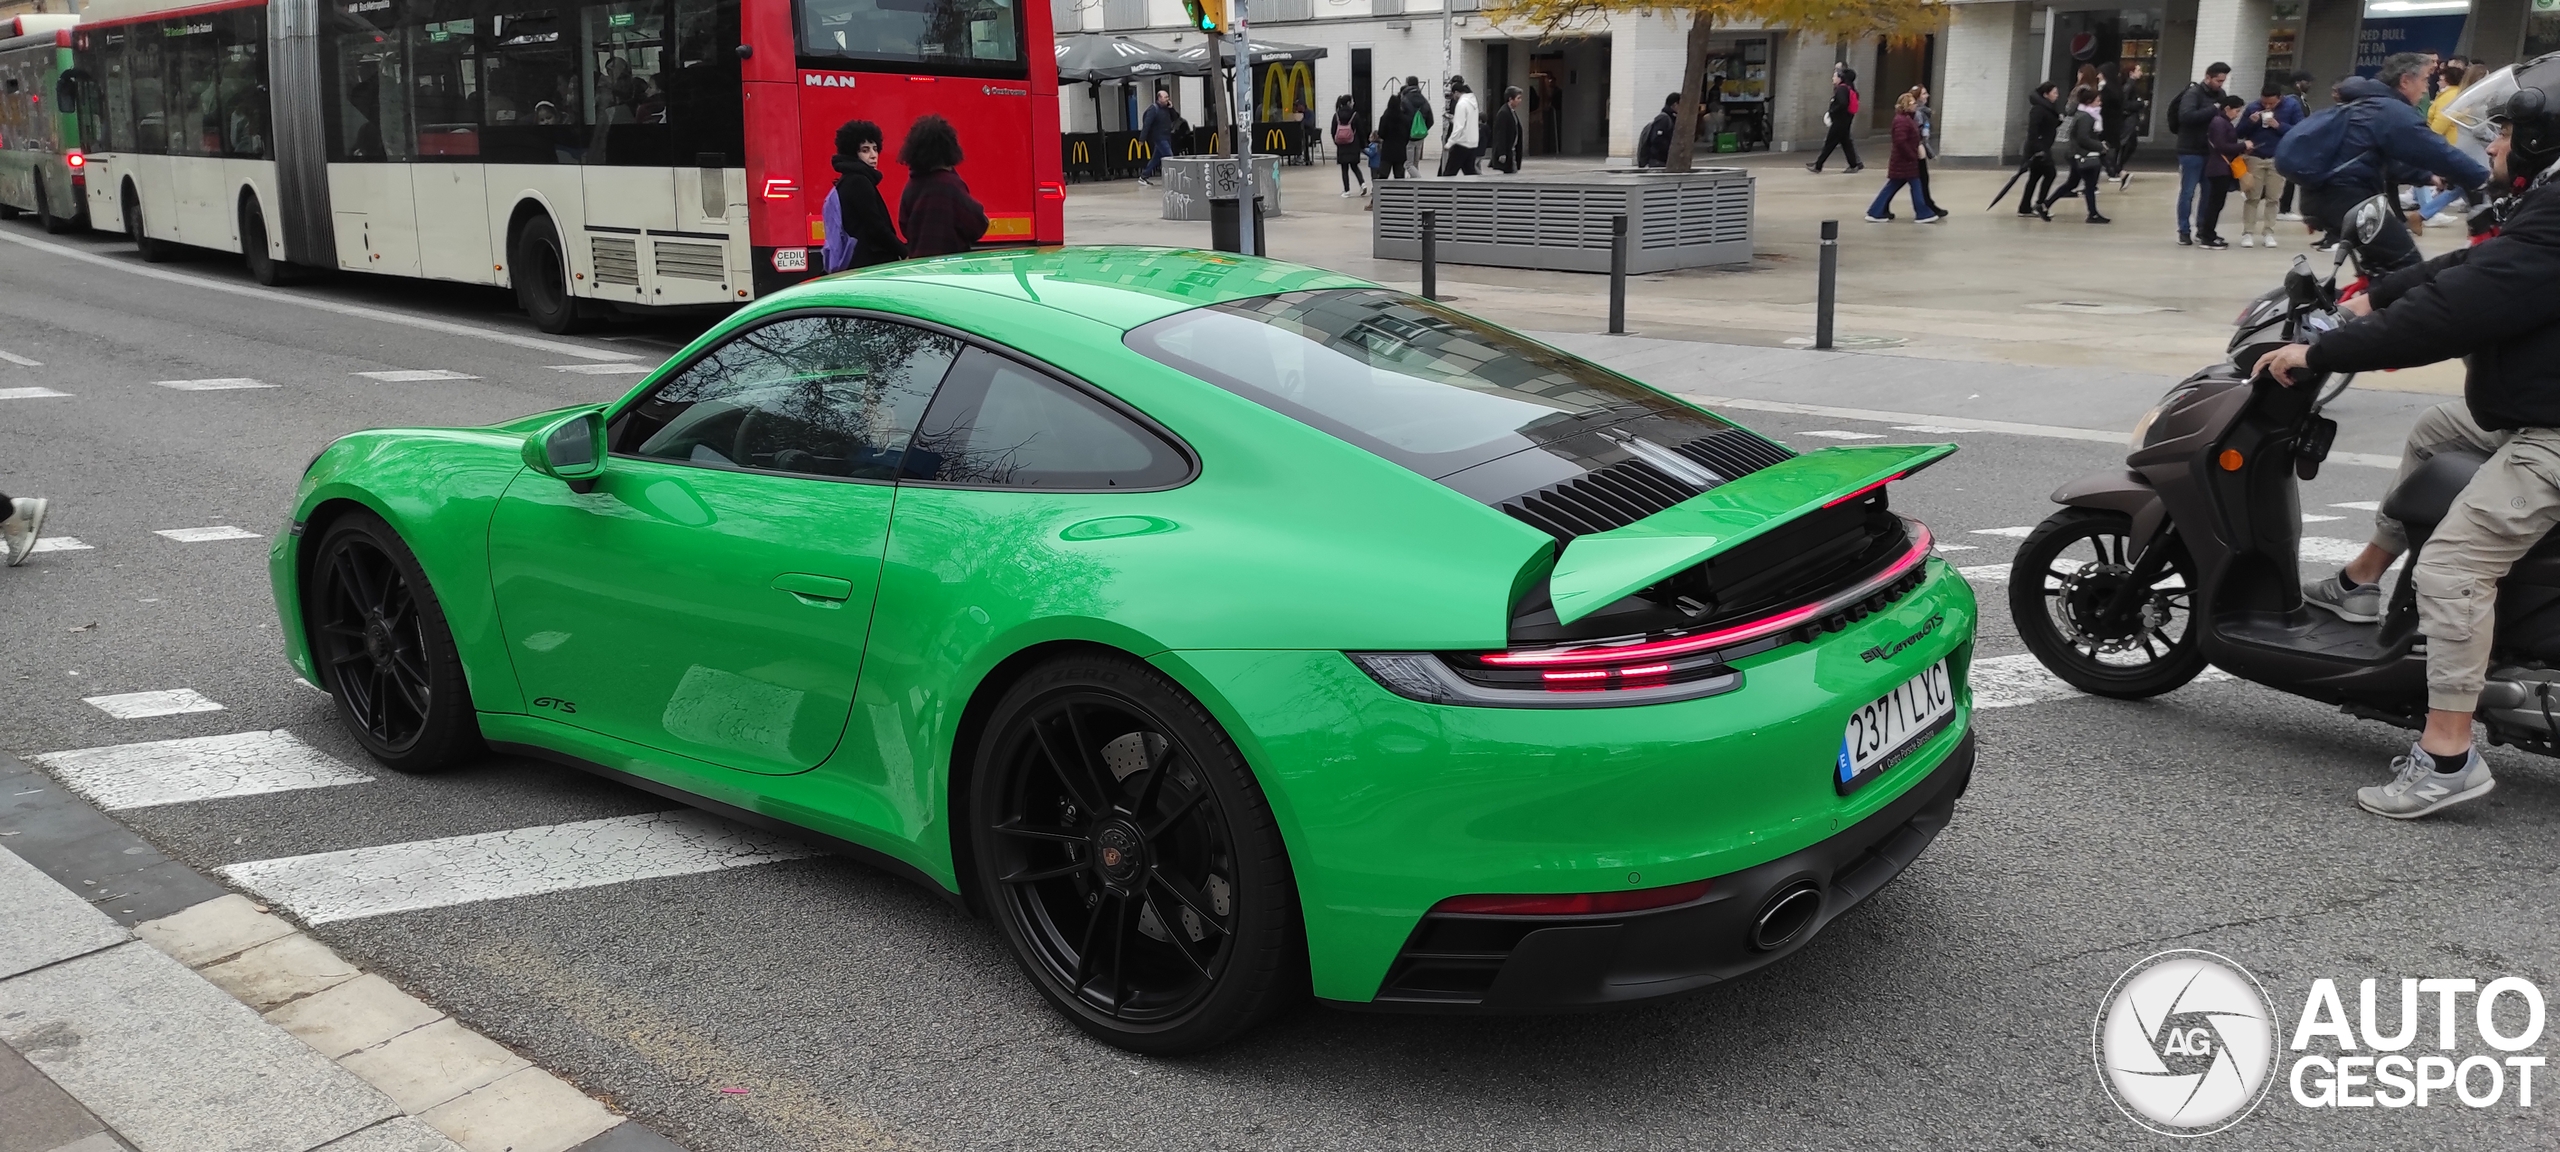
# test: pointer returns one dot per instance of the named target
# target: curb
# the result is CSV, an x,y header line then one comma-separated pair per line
x,y
216,1025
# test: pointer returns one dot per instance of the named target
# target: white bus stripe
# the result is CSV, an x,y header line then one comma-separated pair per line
x,y
198,768
359,882
387,316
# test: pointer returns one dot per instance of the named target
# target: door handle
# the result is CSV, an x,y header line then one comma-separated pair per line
x,y
815,591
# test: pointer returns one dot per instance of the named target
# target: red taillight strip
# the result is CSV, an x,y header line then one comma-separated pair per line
x,y
1722,637
1576,903
1863,491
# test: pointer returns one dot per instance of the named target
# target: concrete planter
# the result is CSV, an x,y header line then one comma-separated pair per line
x,y
1560,222
1191,182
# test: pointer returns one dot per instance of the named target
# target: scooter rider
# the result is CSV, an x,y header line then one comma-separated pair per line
x,y
2496,303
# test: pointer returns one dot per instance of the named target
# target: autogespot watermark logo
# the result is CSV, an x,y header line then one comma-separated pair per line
x,y
2186,1043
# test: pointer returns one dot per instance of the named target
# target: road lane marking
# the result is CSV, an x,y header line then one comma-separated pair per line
x,y
329,886
203,535
415,375
1959,548
21,361
1836,434
1929,429
60,544
28,393
1987,573
2020,680
387,316
214,384
1969,424
2015,533
2361,505
197,768
144,705
2308,518
603,369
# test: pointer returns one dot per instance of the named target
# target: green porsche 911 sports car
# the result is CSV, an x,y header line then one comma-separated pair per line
x,y
1222,628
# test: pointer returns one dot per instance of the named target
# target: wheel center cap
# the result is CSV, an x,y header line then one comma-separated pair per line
x,y
1120,850
376,640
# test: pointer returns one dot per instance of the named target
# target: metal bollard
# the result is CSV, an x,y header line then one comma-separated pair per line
x,y
1430,254
1618,275
1827,293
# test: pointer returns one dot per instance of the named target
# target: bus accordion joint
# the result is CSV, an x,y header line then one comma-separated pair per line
x,y
780,188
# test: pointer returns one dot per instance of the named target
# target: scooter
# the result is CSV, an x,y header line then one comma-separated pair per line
x,y
2189,555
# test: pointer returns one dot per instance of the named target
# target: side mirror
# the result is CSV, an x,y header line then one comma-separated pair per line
x,y
2366,219
569,449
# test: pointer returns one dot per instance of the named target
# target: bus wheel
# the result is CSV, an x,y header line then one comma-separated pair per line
x,y
542,278
44,212
263,266
152,251
7,212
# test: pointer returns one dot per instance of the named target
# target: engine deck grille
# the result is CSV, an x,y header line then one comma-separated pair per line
x,y
1628,491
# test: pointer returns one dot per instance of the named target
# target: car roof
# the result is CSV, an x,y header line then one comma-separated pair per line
x,y
1120,285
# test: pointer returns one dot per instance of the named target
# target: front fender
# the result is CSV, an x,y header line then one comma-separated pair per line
x,y
2119,490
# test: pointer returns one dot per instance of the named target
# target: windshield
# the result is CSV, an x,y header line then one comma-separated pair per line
x,y
1423,386
975,36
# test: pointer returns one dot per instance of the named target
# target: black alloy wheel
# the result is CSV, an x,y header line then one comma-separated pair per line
x,y
263,266
2062,585
541,278
152,251
1131,859
380,640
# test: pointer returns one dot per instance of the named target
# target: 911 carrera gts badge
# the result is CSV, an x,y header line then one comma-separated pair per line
x,y
1880,652
556,704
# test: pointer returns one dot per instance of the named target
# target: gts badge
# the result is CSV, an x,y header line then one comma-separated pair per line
x,y
566,708
1879,652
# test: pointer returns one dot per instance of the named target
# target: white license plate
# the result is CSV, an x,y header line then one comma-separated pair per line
x,y
1886,730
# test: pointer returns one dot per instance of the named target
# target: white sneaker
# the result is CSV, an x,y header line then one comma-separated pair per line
x,y
2270,240
2420,785
19,531
2248,241
1346,194
1879,219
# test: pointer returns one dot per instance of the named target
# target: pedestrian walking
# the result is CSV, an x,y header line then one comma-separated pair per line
x,y
2082,150
936,212
2297,103
1347,146
1510,132
2126,124
21,527
1653,146
1928,139
1902,168
1405,124
2190,115
2222,146
1157,127
2044,123
1841,117
1459,137
2262,129
859,231
2358,148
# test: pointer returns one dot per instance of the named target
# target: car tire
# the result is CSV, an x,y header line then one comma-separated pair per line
x,y
2071,564
152,251
379,638
8,212
1123,845
262,264
541,264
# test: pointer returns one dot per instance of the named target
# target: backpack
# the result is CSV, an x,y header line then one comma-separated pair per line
x,y
1656,140
1343,135
2316,149
1419,128
1853,101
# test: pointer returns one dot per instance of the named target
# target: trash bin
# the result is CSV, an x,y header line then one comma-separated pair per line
x,y
1222,226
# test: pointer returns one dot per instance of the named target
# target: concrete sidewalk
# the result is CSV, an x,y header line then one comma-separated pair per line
x,y
221,1028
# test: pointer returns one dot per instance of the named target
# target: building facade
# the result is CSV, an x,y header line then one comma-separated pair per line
x,y
1594,87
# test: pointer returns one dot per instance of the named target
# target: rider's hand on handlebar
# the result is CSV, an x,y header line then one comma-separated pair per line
x,y
2283,363
2357,305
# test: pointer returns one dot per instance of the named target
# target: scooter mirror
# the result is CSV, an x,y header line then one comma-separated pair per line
x,y
2365,221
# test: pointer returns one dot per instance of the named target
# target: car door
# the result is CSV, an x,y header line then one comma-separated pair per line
x,y
711,595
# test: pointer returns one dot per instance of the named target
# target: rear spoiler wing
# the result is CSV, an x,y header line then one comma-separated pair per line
x,y
1600,569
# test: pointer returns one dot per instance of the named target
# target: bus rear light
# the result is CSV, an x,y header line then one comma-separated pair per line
x,y
780,188
1053,190
75,159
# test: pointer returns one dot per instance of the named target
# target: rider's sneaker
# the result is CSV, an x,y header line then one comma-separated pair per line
x,y
2358,605
2418,789
19,530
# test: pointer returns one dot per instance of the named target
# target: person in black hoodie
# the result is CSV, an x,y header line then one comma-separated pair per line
x,y
2492,304
1842,116
2192,114
859,233
936,211
2044,120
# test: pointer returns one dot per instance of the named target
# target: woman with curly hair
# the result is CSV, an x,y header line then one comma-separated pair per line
x,y
936,212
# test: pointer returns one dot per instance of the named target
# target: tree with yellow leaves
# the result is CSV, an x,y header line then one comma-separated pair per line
x,y
1831,19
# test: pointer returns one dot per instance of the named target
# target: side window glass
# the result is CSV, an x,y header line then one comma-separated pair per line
x,y
999,424
830,396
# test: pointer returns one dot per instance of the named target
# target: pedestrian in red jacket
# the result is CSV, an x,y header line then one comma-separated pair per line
x,y
1903,170
936,212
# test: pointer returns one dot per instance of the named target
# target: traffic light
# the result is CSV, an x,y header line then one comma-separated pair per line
x,y
1207,15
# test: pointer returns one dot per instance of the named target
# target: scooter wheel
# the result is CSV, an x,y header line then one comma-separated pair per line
x,y
2064,580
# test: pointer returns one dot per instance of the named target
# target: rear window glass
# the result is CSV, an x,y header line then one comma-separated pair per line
x,y
1423,386
971,36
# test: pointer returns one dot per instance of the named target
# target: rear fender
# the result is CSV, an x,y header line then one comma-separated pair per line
x,y
2119,490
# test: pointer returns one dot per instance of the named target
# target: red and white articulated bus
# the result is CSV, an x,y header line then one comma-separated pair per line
x,y
591,154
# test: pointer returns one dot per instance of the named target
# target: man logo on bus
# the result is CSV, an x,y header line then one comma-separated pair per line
x,y
826,80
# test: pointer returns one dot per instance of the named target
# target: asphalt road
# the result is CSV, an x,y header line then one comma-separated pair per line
x,y
1953,1010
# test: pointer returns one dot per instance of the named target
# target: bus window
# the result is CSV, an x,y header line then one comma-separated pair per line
x,y
242,88
972,36
195,114
625,99
370,117
705,106
143,58
445,59
532,103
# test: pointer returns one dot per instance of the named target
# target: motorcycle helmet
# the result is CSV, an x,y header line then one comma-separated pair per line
x,y
2532,117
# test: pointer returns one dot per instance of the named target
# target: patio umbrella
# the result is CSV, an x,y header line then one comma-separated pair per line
x,y
1264,52
1095,57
